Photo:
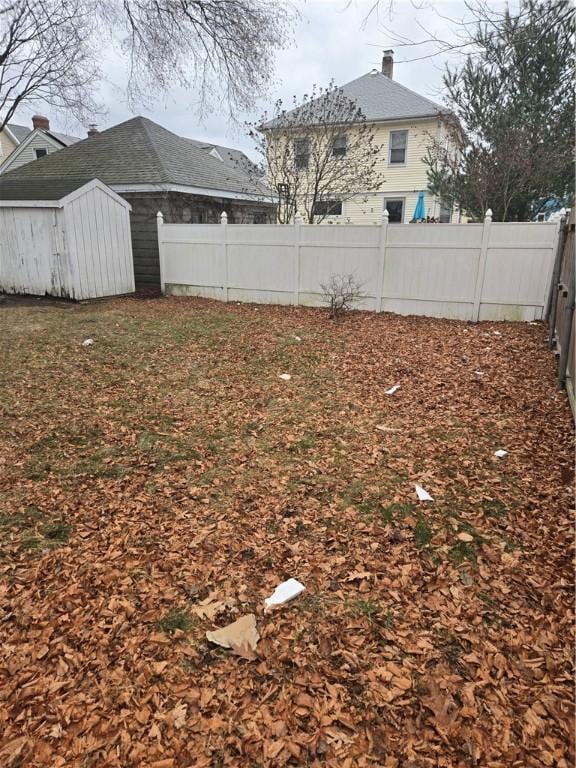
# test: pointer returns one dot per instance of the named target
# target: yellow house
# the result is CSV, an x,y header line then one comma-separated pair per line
x,y
403,124
11,136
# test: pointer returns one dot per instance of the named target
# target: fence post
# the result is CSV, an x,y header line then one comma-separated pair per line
x,y
552,302
159,223
297,236
480,273
381,259
224,224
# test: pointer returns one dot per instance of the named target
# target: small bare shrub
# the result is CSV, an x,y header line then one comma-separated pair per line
x,y
341,293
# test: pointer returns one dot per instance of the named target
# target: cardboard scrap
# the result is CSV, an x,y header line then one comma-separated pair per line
x,y
284,592
422,494
241,637
393,389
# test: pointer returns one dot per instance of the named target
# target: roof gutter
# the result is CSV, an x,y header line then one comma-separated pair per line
x,y
204,191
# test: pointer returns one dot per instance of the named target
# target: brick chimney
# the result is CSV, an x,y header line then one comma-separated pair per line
x,y
92,130
388,64
39,121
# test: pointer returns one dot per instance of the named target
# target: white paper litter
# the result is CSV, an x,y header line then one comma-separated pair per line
x,y
496,333
422,494
479,373
284,376
87,342
393,389
296,338
284,592
500,453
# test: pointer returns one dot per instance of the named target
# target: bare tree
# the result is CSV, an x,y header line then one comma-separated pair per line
x,y
50,50
46,57
317,155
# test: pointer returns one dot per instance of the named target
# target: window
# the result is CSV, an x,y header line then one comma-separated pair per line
x,y
445,212
301,152
398,142
339,146
328,208
395,210
40,152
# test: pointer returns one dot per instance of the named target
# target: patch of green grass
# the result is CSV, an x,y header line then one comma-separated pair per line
x,y
367,608
31,542
147,441
98,465
512,545
353,493
396,512
461,552
494,508
58,532
177,618
304,444
422,532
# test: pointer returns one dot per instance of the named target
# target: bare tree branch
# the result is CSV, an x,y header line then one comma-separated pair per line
x,y
317,155
50,50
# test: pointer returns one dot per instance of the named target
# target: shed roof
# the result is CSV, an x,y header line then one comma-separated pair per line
x,y
140,151
38,189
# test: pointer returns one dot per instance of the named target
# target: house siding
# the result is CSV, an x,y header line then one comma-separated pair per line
x,y
7,146
27,154
400,181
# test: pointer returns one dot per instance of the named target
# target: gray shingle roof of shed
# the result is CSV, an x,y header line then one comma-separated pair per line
x,y
140,151
38,189
381,98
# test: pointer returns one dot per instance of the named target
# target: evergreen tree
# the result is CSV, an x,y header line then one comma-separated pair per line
x,y
511,121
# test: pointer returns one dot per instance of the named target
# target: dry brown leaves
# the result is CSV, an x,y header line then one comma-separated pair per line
x,y
159,485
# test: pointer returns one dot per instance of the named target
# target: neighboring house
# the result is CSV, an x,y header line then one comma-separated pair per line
x,y
10,137
34,144
156,170
404,123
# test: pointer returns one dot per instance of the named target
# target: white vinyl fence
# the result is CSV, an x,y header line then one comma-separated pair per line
x,y
489,271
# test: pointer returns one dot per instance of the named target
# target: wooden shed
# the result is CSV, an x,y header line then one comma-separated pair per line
x,y
67,238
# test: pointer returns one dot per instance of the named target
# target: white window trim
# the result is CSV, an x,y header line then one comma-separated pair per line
x,y
397,165
395,199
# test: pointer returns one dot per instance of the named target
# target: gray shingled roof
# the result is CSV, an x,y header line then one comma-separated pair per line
x,y
19,131
63,138
139,151
37,189
381,98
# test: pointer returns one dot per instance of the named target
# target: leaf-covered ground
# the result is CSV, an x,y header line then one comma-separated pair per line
x,y
162,482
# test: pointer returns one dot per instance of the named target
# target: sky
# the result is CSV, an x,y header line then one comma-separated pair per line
x,y
332,40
